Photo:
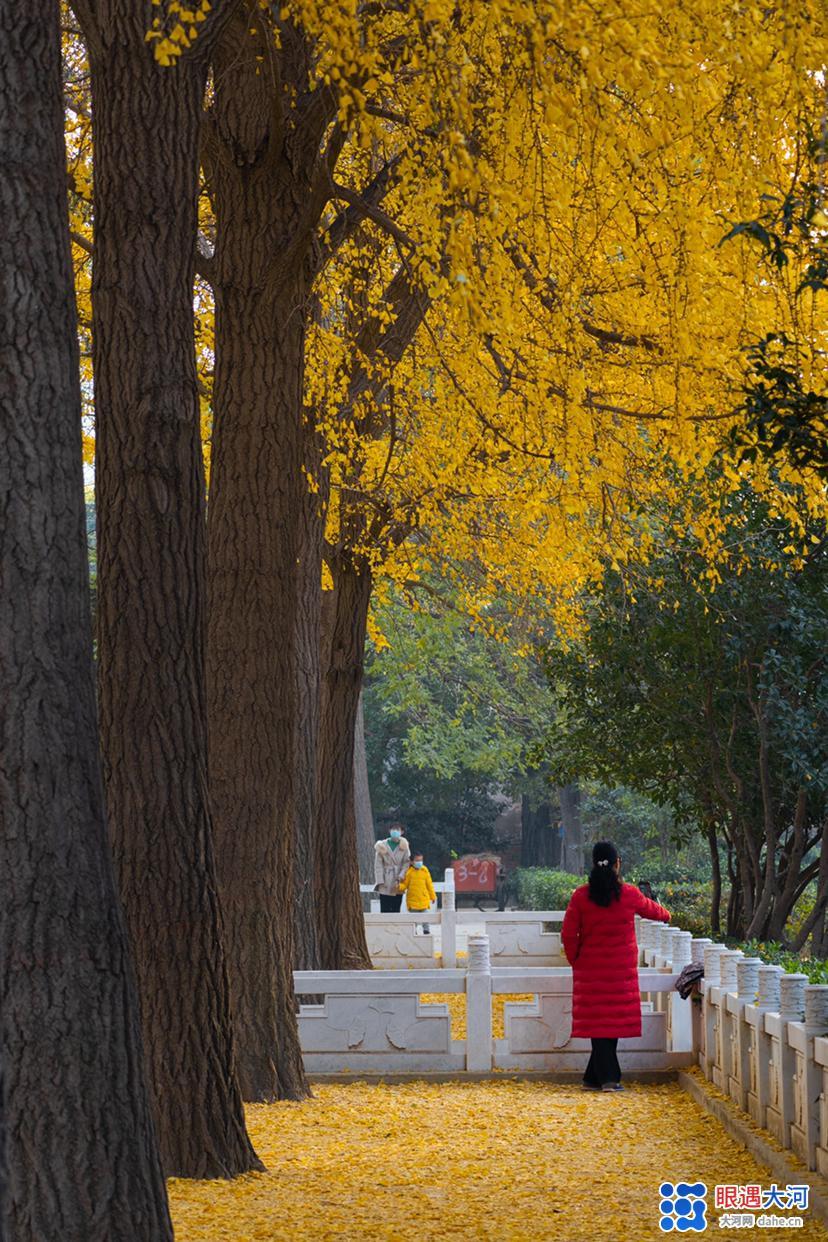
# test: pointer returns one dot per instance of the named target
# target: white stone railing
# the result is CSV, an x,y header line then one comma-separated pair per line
x,y
761,1037
375,1022
517,937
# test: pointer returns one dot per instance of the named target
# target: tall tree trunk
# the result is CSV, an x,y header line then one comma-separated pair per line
x,y
715,864
309,678
257,494
573,842
339,915
362,800
151,584
78,1150
786,898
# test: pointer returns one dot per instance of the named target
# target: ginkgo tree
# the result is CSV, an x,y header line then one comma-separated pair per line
x,y
467,284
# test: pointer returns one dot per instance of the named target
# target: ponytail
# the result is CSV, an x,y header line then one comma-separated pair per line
x,y
604,884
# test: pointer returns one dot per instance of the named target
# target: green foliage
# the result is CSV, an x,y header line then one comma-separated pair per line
x,y
689,904
450,716
777,955
443,818
682,683
458,700
541,888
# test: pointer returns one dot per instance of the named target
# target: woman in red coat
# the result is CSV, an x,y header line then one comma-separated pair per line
x,y
598,936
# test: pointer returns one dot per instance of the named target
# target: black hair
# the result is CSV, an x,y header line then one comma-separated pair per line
x,y
416,853
604,884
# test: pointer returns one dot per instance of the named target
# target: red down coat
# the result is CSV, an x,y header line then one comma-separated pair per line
x,y
599,943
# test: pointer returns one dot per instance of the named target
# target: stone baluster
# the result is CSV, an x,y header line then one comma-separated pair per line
x,y
767,1001
712,953
747,978
808,1076
682,950
479,1006
816,1008
727,968
747,985
448,930
792,996
768,995
710,1010
680,1009
699,945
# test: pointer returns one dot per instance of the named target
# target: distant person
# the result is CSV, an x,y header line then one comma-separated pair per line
x,y
391,858
598,937
418,888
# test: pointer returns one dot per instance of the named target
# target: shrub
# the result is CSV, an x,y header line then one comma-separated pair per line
x,y
777,955
541,888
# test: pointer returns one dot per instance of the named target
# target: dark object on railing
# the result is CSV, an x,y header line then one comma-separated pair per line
x,y
647,889
688,979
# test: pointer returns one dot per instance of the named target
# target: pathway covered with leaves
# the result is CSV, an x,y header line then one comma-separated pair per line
x,y
496,1160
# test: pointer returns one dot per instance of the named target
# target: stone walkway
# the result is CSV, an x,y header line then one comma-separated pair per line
x,y
499,1161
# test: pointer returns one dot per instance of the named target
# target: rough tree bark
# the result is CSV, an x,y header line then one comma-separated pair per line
x,y
540,838
716,869
151,579
573,839
259,167
339,914
308,668
78,1151
363,816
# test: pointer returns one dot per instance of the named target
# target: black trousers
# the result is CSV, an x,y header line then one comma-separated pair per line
x,y
389,904
603,1063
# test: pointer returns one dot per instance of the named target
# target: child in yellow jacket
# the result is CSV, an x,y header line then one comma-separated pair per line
x,y
418,888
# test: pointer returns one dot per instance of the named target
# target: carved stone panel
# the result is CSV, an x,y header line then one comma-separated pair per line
x,y
374,1024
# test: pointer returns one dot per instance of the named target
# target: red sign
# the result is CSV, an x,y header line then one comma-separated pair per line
x,y
475,875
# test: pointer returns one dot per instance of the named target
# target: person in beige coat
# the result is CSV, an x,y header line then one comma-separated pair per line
x,y
391,858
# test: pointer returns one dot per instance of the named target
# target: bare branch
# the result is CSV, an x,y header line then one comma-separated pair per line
x,y
366,209
80,240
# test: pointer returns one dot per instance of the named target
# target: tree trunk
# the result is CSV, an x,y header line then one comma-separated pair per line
x,y
151,586
78,1150
340,922
716,899
362,801
257,493
573,842
786,898
309,678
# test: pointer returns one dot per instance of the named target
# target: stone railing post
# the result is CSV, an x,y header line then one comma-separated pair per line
x,y
646,940
448,930
711,1007
781,1110
767,1001
680,1011
747,986
699,945
479,1007
727,1048
805,1133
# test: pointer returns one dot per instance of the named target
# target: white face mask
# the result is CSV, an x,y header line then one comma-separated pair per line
x,y
395,836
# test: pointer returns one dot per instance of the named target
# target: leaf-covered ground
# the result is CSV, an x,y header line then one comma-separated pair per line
x,y
469,1161
457,1010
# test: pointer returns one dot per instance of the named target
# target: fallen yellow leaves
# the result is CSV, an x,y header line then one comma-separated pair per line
x,y
457,1009
507,1161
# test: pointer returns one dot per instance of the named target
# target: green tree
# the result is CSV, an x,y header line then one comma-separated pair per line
x,y
451,716
709,694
